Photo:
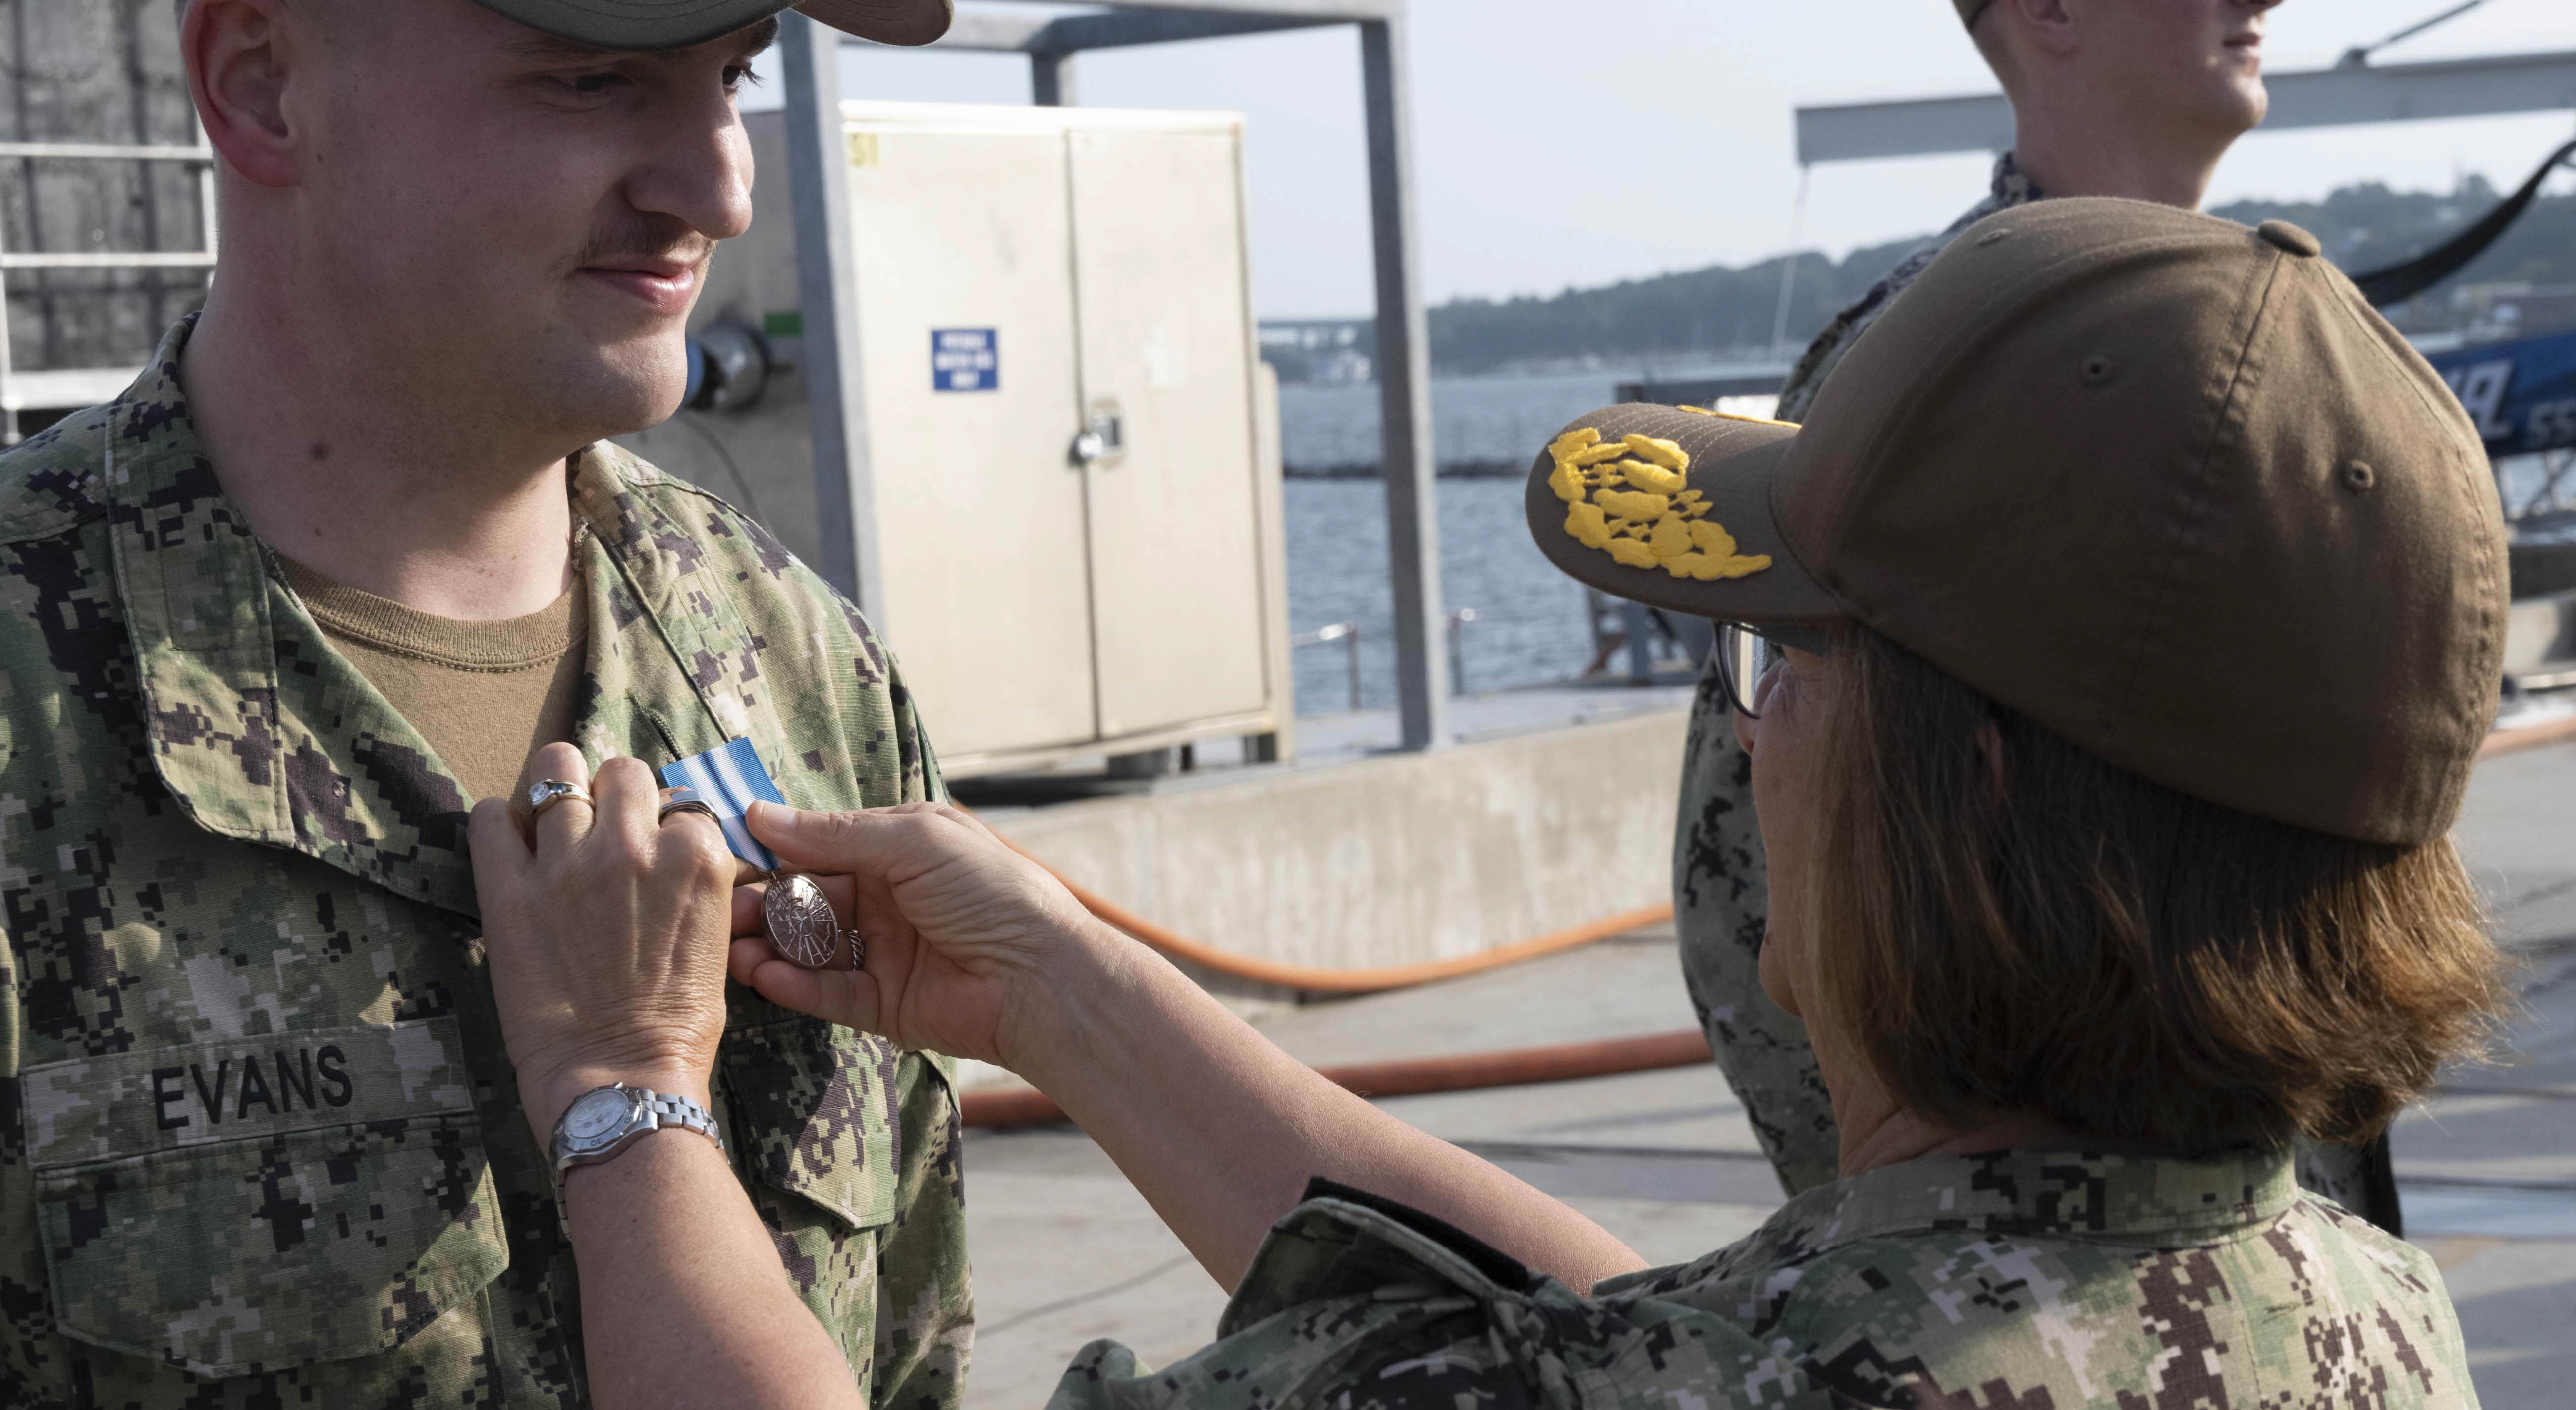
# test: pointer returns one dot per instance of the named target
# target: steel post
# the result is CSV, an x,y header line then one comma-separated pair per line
x,y
2439,88
1051,79
1404,396
1640,631
819,178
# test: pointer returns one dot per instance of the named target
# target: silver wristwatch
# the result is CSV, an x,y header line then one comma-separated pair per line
x,y
604,1121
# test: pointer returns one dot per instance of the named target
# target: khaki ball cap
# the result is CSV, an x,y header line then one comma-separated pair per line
x,y
2164,484
676,24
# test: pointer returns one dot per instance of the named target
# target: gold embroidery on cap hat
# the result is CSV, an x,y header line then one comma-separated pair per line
x,y
1629,498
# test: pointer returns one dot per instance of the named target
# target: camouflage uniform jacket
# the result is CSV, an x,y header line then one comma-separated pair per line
x,y
260,1144
2015,1281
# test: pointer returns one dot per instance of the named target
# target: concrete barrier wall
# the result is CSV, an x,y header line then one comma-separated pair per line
x,y
1389,860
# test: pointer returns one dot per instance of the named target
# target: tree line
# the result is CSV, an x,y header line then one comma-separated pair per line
x,y
1724,312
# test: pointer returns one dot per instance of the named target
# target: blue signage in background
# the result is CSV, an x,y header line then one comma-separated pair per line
x,y
2522,394
964,360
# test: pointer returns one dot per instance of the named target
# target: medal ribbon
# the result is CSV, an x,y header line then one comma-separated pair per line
x,y
728,778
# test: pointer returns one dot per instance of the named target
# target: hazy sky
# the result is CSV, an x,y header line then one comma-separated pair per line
x,y
1579,143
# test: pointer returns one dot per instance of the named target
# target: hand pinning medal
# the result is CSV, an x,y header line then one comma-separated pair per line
x,y
724,782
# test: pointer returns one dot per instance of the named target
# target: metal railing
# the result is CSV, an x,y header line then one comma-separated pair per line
x,y
25,390
1347,633
1458,621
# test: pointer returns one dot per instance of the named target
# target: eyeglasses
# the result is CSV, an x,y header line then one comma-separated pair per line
x,y
1755,652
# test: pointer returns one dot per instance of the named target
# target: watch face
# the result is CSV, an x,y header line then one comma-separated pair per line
x,y
596,1115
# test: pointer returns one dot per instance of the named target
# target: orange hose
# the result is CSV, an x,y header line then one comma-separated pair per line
x,y
1361,981
1511,1067
1342,981
2508,741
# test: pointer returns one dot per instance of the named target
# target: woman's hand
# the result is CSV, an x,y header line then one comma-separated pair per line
x,y
969,944
606,934
976,951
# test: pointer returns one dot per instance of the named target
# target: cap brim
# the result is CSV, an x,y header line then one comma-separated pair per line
x,y
651,25
1734,462
885,21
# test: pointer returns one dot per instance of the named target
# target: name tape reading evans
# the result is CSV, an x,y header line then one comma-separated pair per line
x,y
129,1104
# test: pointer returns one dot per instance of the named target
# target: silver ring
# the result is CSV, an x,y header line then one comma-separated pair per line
x,y
685,800
545,793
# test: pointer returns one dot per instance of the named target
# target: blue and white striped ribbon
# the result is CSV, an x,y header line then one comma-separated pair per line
x,y
728,778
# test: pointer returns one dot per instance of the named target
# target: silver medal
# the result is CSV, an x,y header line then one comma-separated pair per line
x,y
801,924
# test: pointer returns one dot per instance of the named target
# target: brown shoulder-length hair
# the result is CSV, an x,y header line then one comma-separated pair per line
x,y
2004,923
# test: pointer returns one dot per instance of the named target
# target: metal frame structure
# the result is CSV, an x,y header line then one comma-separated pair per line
x,y
819,175
84,386
2336,97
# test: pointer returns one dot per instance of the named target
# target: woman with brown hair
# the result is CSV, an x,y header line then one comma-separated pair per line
x,y
2141,598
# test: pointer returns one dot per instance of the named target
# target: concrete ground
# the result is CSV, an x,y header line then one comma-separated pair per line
x,y
1065,1251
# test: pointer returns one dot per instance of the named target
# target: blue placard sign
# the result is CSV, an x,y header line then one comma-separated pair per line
x,y
965,360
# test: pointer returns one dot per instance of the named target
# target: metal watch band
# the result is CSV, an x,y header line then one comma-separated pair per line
x,y
680,1111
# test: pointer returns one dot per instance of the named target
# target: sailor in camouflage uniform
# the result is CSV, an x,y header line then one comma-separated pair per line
x,y
2093,898
2013,1279
259,1143
1720,894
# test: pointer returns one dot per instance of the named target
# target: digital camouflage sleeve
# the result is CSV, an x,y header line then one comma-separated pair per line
x,y
2015,1281
260,1145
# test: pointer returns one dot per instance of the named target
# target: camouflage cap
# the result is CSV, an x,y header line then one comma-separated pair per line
x,y
1970,9
676,24
2164,484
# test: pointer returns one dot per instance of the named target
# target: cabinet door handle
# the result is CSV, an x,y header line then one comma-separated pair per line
x,y
1103,436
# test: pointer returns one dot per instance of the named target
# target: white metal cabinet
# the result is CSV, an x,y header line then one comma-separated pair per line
x,y
1042,606
1177,598
985,564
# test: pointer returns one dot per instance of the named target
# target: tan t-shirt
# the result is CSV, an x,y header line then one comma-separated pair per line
x,y
483,694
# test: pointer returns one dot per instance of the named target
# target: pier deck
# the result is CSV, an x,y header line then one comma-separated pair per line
x,y
1066,1251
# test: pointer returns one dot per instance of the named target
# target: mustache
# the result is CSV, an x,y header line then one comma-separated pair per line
x,y
641,235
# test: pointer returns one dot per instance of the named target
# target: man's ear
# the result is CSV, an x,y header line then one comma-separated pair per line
x,y
238,54
2045,26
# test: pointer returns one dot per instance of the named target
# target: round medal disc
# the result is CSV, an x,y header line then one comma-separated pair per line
x,y
801,923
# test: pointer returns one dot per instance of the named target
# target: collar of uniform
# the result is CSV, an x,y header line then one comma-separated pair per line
x,y
2011,185
663,564
192,579
340,776
317,761
320,763
2039,1194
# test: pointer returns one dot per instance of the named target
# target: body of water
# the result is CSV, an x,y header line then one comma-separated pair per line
x,y
1529,627
1485,419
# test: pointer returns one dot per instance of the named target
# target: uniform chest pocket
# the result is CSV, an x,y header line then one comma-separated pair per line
x,y
811,1106
263,1203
